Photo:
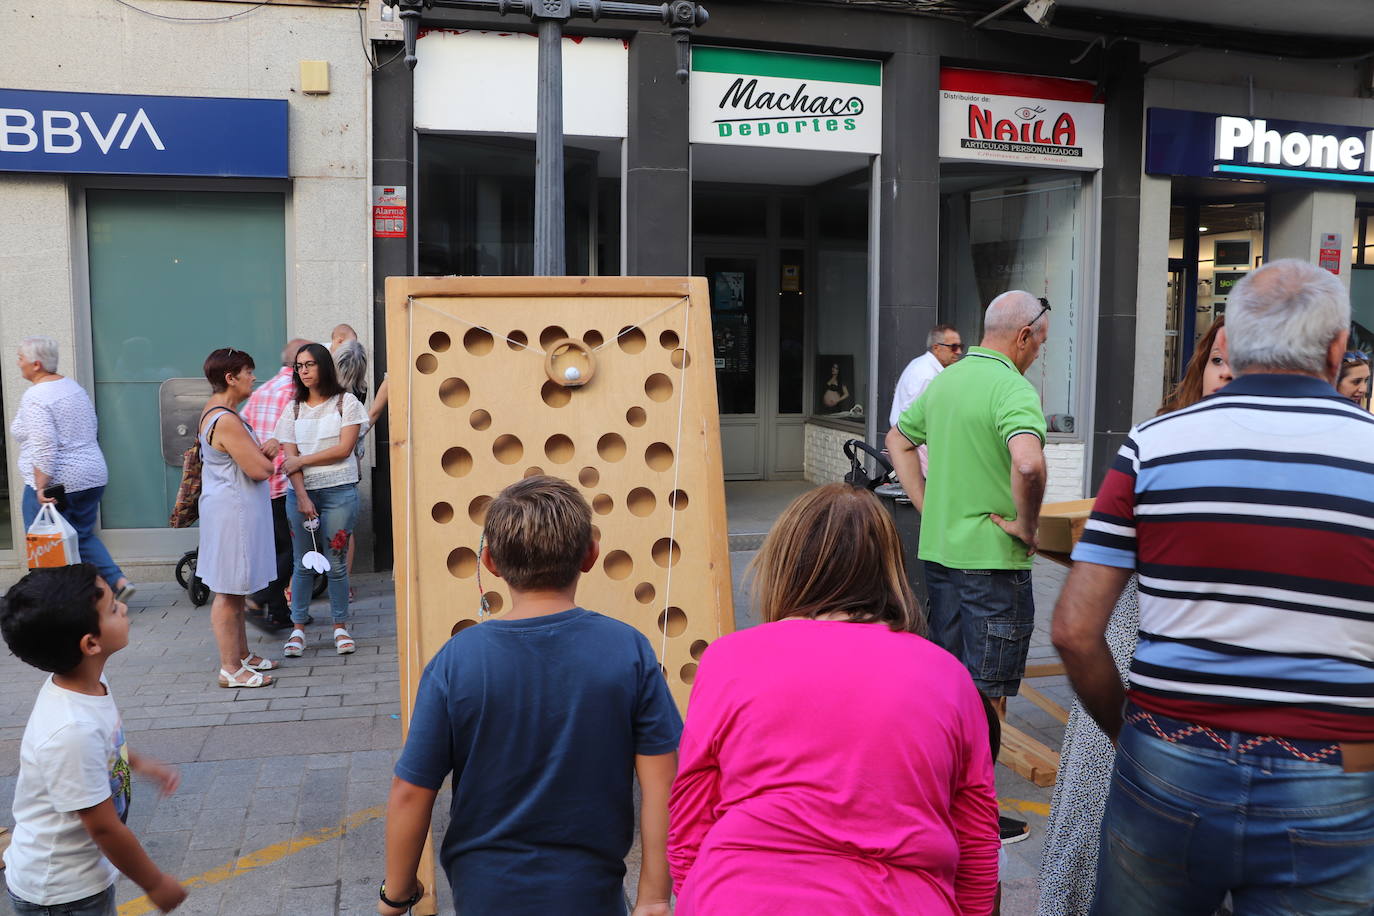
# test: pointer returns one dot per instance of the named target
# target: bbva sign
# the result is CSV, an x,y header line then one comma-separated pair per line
x,y
61,131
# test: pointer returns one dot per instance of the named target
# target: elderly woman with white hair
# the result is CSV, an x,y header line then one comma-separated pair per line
x,y
55,428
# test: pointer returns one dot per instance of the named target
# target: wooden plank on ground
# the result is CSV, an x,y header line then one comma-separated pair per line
x,y
1027,757
1045,703
5,838
1050,669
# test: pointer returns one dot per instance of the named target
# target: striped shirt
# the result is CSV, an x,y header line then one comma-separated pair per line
x,y
263,410
1249,517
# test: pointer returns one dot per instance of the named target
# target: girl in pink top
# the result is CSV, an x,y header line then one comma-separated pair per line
x,y
833,761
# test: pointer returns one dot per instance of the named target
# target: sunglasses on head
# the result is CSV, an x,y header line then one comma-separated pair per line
x,y
1044,307
1355,356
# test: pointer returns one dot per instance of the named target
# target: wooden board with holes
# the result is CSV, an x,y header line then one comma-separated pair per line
x,y
475,408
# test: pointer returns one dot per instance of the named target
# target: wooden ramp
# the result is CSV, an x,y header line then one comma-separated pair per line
x,y
1026,756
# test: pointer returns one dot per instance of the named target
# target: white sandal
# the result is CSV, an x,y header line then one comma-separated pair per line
x,y
257,679
295,644
262,664
343,643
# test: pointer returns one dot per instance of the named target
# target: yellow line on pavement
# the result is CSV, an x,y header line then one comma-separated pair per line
x,y
262,857
1031,807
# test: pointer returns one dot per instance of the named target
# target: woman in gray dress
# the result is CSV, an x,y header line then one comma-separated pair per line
x,y
1068,866
237,556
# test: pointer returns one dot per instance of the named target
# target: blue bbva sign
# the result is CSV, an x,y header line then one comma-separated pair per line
x,y
87,132
1213,145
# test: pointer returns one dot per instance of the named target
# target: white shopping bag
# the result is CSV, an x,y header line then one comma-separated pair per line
x,y
52,540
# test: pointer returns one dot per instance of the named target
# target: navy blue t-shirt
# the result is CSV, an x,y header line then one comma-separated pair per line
x,y
539,720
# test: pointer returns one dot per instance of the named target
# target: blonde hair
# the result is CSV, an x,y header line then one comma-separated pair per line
x,y
835,549
538,532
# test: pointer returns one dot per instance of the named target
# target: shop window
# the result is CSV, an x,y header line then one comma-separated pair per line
x,y
729,213
476,207
174,275
999,233
840,364
1362,282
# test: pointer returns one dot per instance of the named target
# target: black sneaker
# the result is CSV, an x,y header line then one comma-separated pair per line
x,y
1012,829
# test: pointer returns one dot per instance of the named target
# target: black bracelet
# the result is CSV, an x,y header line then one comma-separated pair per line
x,y
401,904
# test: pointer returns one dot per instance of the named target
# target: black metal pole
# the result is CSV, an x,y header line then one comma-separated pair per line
x,y
549,247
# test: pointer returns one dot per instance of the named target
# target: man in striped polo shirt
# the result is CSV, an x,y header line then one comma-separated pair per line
x,y
1246,732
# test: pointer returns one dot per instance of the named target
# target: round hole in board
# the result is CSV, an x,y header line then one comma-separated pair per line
x,y
644,593
602,504
477,509
508,449
480,419
681,359
426,363
551,335
559,449
441,512
517,340
478,341
668,340
698,648
672,621
666,551
593,339
454,392
462,563
641,502
589,477
554,394
678,500
618,565
631,339
534,471
456,462
462,625
439,342
494,602
659,456
636,417
658,387
611,447
688,672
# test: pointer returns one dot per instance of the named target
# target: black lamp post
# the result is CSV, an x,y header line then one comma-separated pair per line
x,y
550,16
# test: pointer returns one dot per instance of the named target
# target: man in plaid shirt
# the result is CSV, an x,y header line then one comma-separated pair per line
x,y
261,412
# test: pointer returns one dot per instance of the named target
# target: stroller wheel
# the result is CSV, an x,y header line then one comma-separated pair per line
x,y
185,566
199,592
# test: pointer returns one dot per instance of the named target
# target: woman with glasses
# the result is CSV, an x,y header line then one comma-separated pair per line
x,y
318,432
1353,382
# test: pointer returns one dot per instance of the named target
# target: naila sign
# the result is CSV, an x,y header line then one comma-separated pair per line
x,y
791,101
986,116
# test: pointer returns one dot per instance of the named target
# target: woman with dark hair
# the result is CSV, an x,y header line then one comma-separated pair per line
x,y
236,555
1068,865
318,432
833,760
1353,380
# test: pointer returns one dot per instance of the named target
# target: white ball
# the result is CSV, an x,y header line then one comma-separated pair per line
x,y
572,373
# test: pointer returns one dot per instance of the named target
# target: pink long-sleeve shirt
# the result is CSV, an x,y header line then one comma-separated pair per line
x,y
829,767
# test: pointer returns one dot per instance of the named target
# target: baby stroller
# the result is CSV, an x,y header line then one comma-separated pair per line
x,y
199,592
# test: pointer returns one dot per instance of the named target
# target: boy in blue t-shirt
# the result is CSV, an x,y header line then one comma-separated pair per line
x,y
543,716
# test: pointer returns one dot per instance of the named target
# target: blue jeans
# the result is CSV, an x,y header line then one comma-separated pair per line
x,y
1186,824
101,904
984,617
338,509
83,506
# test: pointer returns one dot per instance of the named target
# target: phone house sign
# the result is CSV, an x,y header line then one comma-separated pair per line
x,y
1211,145
793,101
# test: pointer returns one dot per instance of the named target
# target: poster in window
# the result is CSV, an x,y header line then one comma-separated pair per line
x,y
1231,253
728,294
834,383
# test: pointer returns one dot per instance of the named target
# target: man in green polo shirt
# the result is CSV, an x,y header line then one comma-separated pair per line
x,y
985,430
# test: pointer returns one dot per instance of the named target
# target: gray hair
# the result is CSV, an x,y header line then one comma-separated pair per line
x,y
1010,312
937,334
350,362
42,350
1285,316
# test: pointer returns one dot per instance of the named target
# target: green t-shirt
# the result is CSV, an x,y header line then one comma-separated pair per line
x,y
965,418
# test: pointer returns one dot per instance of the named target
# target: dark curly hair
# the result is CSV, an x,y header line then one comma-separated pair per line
x,y
45,615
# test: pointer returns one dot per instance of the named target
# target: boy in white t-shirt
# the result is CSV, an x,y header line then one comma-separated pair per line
x,y
72,798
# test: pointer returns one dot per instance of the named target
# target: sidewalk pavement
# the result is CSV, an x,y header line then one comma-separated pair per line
x,y
280,810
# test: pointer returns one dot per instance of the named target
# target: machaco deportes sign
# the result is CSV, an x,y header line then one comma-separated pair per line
x,y
1009,118
793,101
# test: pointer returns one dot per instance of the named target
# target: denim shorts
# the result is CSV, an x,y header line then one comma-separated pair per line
x,y
101,904
985,618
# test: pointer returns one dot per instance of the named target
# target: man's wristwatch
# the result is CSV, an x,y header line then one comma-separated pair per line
x,y
401,904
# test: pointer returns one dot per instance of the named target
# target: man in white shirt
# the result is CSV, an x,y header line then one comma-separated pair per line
x,y
943,347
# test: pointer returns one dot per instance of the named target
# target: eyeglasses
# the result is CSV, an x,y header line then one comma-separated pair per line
x,y
953,348
1044,307
308,365
1355,356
